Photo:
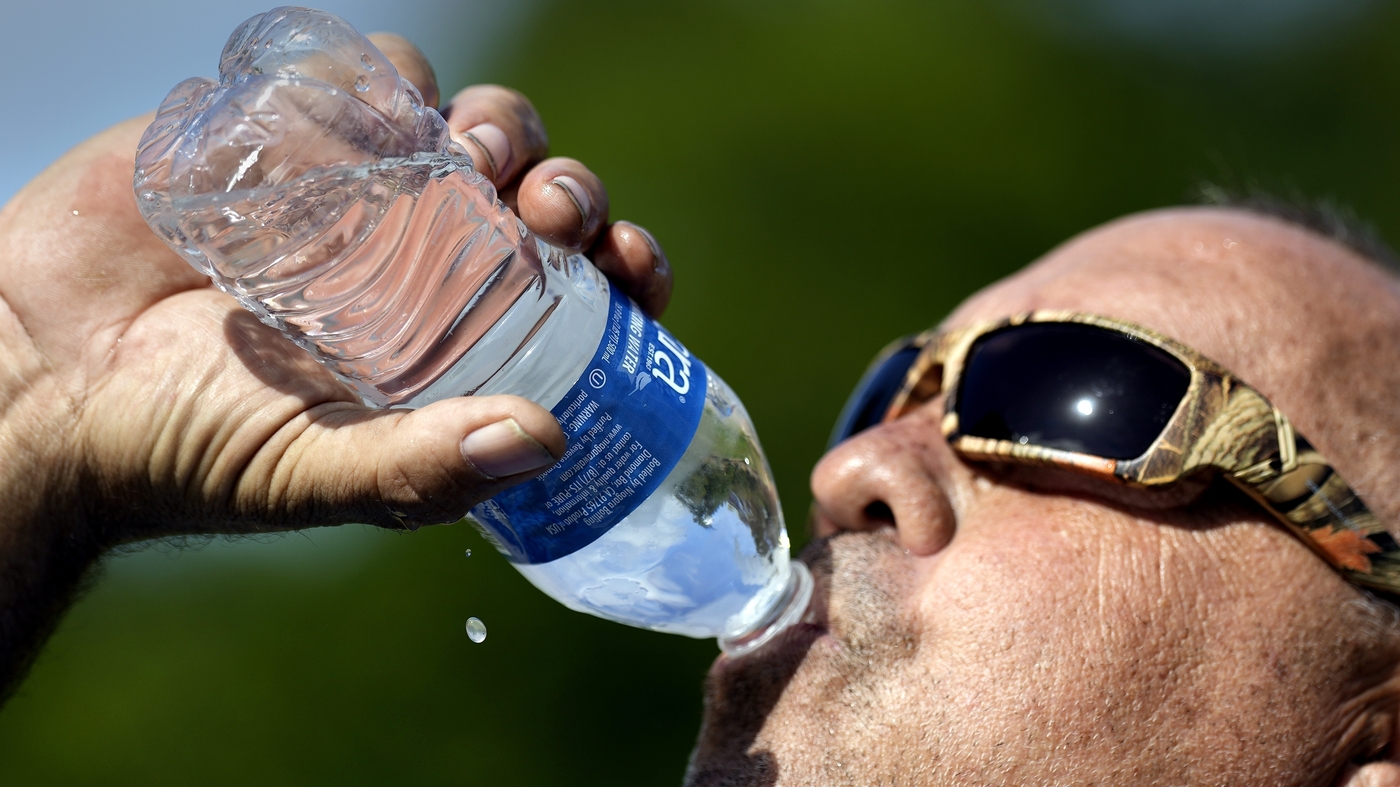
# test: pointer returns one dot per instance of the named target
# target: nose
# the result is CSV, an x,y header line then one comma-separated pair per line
x,y
895,474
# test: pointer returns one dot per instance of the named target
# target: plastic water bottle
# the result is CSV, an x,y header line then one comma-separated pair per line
x,y
312,184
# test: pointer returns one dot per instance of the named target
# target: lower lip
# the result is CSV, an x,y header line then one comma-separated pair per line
x,y
790,647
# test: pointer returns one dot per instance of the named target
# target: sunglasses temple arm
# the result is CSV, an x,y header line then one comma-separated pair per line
x,y
1300,488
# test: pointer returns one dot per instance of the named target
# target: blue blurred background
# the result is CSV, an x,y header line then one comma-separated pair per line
x,y
824,174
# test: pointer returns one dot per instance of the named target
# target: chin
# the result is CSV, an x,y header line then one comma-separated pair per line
x,y
749,698
772,713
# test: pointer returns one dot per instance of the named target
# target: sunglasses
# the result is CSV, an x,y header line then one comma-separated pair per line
x,y
1120,402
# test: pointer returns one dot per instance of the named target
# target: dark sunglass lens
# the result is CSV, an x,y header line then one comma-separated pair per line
x,y
873,394
1070,386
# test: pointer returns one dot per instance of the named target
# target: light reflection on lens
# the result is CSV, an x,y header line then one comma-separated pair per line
x,y
1069,386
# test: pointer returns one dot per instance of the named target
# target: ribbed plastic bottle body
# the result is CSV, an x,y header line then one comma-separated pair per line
x,y
312,185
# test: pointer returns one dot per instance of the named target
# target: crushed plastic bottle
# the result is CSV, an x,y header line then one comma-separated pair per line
x,y
312,184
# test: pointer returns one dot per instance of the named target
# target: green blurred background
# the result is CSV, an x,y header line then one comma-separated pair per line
x,y
825,176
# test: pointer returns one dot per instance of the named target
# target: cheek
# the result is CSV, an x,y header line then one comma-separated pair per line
x,y
1015,567
1056,616
1061,625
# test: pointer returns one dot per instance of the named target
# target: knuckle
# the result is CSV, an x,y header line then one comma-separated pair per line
x,y
406,505
506,107
533,136
495,101
418,493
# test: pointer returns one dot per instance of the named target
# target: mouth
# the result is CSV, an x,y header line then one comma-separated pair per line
x,y
789,647
817,557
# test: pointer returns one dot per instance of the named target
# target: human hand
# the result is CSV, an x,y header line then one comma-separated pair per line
x,y
140,402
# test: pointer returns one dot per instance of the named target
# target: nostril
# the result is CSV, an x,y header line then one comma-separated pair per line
x,y
879,512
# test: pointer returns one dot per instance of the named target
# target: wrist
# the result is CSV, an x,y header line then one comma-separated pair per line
x,y
46,544
38,429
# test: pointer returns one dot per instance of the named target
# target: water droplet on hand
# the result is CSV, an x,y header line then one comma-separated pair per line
x,y
476,630
362,84
469,553
365,61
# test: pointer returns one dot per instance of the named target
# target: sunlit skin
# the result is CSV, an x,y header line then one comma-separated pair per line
x,y
974,625
137,402
979,625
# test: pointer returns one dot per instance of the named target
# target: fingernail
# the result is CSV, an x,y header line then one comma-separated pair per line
x,y
658,260
504,449
576,195
494,144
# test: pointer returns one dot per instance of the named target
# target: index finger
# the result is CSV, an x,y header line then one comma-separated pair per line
x,y
501,130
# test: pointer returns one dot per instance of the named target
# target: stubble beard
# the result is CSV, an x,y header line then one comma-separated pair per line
x,y
830,702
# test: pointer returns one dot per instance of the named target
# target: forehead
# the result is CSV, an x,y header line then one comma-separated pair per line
x,y
1205,276
1311,324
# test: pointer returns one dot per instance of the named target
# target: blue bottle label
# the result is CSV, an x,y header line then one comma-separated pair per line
x,y
629,418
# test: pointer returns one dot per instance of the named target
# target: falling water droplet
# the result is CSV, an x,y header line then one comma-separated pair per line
x,y
476,630
364,59
362,84
469,553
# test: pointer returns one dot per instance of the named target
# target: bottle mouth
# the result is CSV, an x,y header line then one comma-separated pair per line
x,y
790,608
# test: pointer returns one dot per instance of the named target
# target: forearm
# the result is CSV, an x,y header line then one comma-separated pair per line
x,y
45,545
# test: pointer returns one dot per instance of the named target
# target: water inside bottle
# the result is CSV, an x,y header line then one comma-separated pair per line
x,y
345,292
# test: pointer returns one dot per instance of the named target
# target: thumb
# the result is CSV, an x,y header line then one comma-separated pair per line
x,y
399,468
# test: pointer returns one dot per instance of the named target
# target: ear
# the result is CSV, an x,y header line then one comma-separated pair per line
x,y
1379,773
1372,774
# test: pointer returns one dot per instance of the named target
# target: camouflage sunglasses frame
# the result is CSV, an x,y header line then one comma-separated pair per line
x,y
1222,424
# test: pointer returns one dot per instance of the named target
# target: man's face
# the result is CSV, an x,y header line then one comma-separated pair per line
x,y
985,625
